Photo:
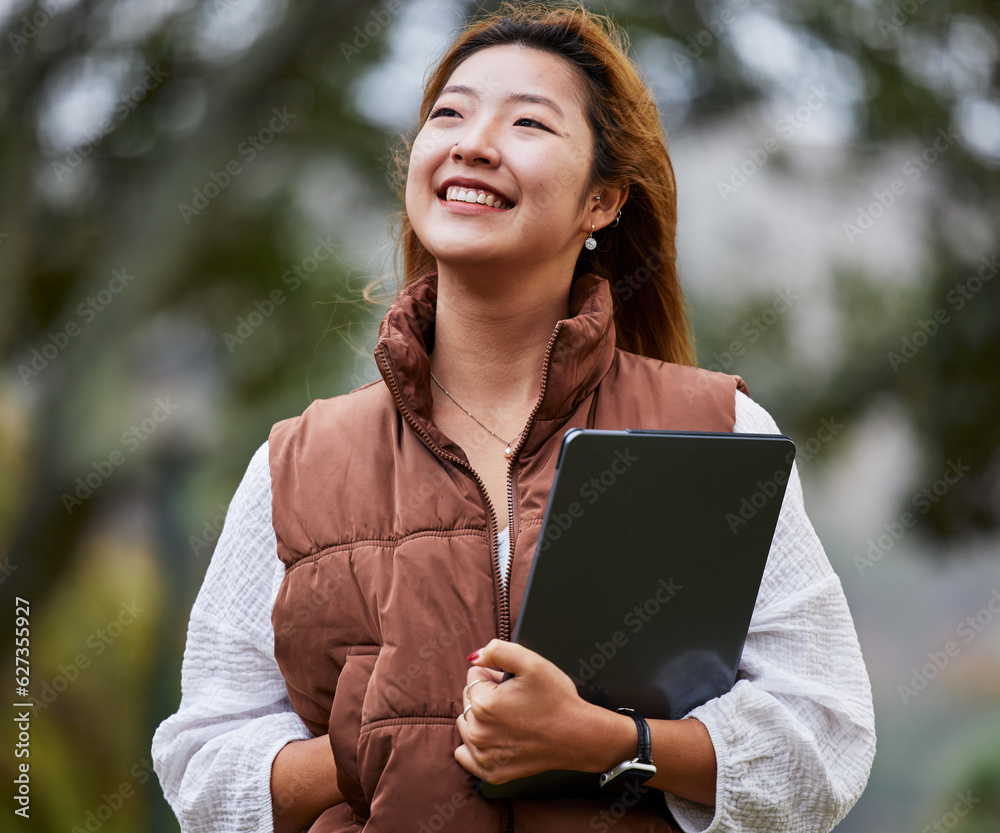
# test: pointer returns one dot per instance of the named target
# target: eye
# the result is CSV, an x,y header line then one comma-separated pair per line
x,y
532,123
442,111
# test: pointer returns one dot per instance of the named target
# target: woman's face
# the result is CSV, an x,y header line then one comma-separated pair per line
x,y
498,171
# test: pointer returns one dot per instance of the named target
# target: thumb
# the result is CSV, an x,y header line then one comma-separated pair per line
x,y
507,656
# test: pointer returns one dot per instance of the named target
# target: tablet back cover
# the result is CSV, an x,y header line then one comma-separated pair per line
x,y
648,566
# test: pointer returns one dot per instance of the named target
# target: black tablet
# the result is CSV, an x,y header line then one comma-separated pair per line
x,y
647,569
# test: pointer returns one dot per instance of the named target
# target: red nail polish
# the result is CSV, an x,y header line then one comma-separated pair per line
x,y
473,656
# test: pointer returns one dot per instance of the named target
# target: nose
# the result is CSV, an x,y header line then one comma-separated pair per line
x,y
476,147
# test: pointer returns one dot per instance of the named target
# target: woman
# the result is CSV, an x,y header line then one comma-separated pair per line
x,y
405,522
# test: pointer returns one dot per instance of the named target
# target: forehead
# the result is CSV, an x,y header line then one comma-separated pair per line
x,y
497,72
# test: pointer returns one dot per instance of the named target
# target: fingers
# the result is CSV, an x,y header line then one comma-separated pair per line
x,y
477,693
492,765
506,656
507,727
464,758
469,687
476,673
477,677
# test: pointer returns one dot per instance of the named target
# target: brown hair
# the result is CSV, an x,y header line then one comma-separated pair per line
x,y
639,255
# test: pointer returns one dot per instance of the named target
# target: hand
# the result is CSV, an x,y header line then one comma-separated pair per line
x,y
532,723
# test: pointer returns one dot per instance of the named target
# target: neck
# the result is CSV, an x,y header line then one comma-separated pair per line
x,y
491,334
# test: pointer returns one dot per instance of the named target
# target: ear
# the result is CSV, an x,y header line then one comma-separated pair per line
x,y
603,210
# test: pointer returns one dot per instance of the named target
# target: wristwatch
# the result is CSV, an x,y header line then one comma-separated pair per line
x,y
637,770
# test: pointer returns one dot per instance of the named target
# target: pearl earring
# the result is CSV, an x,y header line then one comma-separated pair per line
x,y
590,242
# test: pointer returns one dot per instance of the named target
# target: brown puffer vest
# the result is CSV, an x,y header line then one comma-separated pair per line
x,y
392,577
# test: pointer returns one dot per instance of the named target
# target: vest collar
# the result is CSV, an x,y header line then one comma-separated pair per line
x,y
579,354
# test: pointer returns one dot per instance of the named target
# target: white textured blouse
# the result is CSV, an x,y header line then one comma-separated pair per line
x,y
794,738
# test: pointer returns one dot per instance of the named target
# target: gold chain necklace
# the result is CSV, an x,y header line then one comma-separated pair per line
x,y
508,450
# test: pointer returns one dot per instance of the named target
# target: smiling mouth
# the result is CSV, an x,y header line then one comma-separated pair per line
x,y
473,195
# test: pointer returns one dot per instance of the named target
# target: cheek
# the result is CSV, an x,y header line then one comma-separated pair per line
x,y
560,190
430,146
414,205
557,175
418,170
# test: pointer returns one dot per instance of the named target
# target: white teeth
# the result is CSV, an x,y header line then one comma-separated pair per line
x,y
472,195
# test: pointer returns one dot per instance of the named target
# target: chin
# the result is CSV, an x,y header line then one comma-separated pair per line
x,y
465,251
467,260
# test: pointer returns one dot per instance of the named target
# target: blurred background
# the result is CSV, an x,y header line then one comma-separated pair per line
x,y
194,193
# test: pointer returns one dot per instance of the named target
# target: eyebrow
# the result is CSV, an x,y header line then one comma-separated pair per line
x,y
522,98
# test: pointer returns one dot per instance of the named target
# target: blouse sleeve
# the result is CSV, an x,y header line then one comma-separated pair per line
x,y
213,757
795,737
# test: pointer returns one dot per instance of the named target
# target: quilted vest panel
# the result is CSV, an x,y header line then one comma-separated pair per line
x,y
391,570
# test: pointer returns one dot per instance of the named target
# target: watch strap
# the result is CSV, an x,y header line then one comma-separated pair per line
x,y
644,753
635,771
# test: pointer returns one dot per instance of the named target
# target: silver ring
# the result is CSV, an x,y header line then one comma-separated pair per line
x,y
466,710
468,688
